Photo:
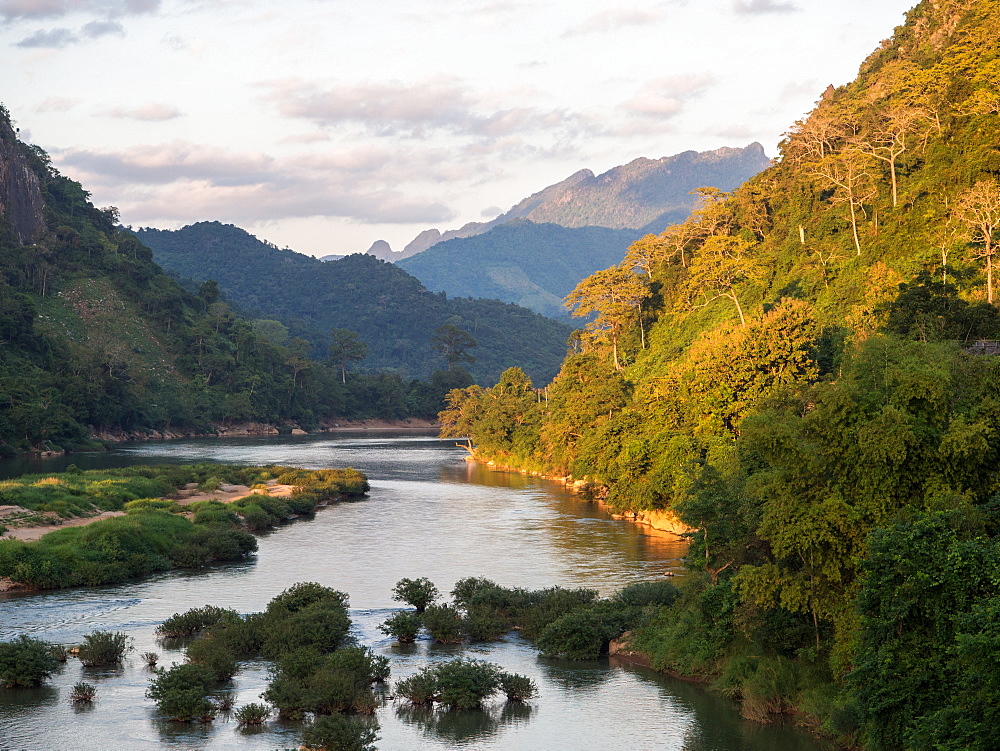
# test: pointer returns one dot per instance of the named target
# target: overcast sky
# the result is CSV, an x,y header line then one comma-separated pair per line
x,y
324,125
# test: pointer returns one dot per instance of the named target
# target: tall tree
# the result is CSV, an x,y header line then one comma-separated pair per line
x,y
346,346
979,210
722,265
454,344
615,295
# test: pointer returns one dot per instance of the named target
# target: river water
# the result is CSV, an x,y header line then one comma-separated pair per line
x,y
429,513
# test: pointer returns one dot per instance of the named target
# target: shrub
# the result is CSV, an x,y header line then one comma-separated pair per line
x,y
641,594
255,518
181,693
517,688
419,688
83,693
25,662
466,589
150,658
224,702
104,648
192,621
306,681
403,626
416,592
252,714
338,733
444,623
215,655
546,605
466,683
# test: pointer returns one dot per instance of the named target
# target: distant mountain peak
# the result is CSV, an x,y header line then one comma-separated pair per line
x,y
644,194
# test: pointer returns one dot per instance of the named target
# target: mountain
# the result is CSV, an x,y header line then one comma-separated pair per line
x,y
800,376
395,315
532,265
539,250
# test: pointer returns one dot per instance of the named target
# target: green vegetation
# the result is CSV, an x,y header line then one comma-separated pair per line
x,y
792,374
303,631
339,733
416,592
26,662
83,693
403,626
103,648
152,536
391,312
463,683
252,715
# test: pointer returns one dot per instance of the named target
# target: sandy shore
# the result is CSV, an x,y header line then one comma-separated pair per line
x,y
189,495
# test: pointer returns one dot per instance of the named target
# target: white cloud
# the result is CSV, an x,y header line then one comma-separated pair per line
x,y
665,97
56,104
12,10
149,112
613,19
51,39
751,7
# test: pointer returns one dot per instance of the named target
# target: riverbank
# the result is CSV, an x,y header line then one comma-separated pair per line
x,y
258,429
659,520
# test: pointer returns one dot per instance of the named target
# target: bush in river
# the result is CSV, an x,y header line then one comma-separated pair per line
x,y
403,626
416,592
307,681
192,621
339,733
463,684
444,623
25,662
83,693
103,648
181,693
215,655
252,714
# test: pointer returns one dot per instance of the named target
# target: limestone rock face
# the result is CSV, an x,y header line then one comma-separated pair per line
x,y
20,191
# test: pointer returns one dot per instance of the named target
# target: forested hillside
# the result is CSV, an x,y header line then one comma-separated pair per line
x,y
95,337
794,373
392,312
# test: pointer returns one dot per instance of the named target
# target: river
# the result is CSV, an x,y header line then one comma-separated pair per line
x,y
429,513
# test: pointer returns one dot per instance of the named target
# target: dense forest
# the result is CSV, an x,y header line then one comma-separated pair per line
x,y
96,337
805,373
394,315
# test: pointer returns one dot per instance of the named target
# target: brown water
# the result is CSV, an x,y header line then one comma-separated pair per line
x,y
430,514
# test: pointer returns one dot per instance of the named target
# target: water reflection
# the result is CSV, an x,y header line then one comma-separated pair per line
x,y
460,727
583,676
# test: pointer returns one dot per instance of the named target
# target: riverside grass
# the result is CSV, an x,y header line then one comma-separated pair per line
x,y
153,535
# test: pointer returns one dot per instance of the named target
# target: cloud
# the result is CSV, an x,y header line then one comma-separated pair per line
x,y
56,104
13,10
98,29
178,180
148,112
613,19
665,97
52,39
754,7
396,108
491,212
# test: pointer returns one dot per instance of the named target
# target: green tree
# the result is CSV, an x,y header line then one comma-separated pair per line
x,y
979,210
346,346
615,295
453,343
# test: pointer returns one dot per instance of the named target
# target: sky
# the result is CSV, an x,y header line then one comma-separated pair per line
x,y
324,125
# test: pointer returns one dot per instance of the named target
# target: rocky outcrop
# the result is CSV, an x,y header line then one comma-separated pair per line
x,y
20,191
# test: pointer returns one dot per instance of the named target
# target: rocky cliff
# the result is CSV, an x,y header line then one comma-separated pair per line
x,y
20,192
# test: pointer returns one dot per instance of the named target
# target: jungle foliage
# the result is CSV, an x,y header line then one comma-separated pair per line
x,y
793,373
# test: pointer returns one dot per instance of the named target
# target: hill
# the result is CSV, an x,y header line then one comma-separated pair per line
x,y
393,313
789,373
532,265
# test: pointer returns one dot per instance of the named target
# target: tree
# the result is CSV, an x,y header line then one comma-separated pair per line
x,y
416,592
889,139
979,210
346,346
722,265
453,343
848,173
25,662
615,295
